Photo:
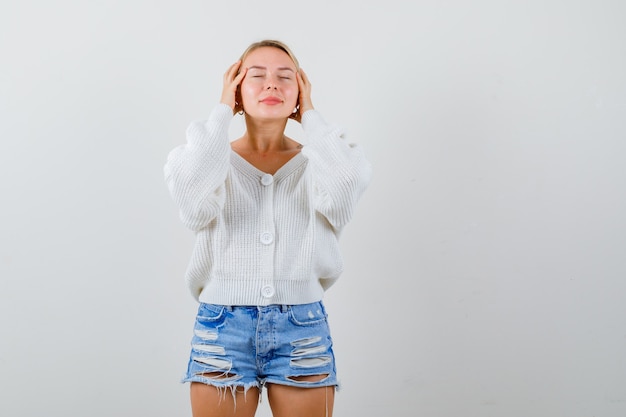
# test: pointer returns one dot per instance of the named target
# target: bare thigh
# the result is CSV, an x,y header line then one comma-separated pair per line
x,y
288,401
209,401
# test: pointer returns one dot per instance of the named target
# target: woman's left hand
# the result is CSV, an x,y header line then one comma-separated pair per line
x,y
304,97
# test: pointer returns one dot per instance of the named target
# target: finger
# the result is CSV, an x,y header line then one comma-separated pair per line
x,y
304,77
232,70
240,76
301,83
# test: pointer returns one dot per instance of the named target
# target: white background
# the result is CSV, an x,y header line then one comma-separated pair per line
x,y
485,266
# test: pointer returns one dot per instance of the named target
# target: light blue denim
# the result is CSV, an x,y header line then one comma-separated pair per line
x,y
250,346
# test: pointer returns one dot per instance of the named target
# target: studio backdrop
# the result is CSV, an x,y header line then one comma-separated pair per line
x,y
485,267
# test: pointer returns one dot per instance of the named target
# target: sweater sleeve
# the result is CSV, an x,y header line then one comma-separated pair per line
x,y
196,171
340,171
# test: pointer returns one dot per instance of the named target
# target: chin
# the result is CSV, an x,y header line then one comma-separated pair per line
x,y
269,115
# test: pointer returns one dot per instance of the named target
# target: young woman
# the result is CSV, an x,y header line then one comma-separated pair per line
x,y
267,212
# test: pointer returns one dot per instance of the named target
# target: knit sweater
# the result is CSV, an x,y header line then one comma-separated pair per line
x,y
265,239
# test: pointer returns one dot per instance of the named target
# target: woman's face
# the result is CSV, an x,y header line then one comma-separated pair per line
x,y
270,88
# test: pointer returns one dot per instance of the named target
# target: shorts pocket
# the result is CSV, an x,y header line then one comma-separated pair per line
x,y
307,314
210,314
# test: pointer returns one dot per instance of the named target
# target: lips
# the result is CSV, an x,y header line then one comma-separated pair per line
x,y
271,100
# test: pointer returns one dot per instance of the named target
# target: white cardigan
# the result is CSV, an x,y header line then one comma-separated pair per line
x,y
265,239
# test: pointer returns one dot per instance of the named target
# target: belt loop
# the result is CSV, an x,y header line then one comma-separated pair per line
x,y
229,308
284,308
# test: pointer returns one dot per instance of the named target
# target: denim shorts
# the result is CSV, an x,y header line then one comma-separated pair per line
x,y
249,346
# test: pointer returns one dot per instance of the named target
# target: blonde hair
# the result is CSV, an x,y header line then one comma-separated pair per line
x,y
272,44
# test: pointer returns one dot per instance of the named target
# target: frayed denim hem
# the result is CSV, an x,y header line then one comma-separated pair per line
x,y
224,385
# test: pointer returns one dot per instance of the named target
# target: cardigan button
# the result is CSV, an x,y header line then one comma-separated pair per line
x,y
267,238
268,291
267,179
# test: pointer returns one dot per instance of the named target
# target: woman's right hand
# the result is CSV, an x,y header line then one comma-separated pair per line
x,y
232,79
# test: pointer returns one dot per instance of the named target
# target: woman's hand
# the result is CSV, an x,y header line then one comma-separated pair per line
x,y
230,88
304,98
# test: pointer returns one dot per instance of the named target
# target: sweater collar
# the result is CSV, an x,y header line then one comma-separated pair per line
x,y
242,165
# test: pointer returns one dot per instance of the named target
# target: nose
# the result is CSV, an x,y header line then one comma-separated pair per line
x,y
271,84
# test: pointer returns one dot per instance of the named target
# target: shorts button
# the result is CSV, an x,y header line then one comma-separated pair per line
x,y
267,179
267,238
267,291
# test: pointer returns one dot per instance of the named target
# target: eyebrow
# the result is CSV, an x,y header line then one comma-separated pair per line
x,y
265,68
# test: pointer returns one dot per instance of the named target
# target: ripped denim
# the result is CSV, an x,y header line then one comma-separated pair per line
x,y
242,347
